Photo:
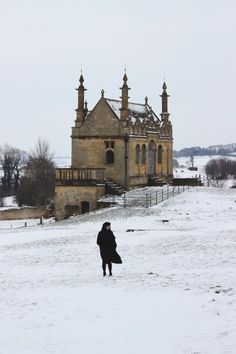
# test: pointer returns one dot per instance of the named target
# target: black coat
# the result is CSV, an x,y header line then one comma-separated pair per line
x,y
107,243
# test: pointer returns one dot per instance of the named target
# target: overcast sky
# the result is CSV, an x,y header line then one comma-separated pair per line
x,y
44,44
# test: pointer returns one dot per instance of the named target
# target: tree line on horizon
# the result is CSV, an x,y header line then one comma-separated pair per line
x,y
210,151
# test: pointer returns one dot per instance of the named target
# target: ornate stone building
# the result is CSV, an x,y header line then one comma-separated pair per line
x,y
117,140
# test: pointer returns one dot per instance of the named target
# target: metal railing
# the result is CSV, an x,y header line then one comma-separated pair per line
x,y
208,182
164,194
144,199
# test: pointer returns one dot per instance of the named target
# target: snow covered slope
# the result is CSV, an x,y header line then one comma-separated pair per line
x,y
175,292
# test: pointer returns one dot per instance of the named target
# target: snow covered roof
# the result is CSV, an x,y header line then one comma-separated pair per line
x,y
136,110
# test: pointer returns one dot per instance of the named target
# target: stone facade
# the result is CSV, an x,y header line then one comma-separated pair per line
x,y
127,140
104,128
71,200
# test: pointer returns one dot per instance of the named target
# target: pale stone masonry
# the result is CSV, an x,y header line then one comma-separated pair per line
x,y
70,199
127,141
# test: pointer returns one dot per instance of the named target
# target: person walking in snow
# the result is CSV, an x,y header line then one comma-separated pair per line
x,y
107,243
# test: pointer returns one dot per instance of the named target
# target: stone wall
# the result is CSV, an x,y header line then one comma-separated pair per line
x,y
23,213
101,119
186,182
91,153
69,199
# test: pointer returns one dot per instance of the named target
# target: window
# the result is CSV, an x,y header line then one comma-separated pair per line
x,y
109,157
159,154
143,160
137,151
109,144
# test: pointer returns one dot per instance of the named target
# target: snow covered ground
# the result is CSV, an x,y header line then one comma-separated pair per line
x,y
175,292
200,162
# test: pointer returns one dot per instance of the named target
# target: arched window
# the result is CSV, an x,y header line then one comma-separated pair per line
x,y
109,157
159,154
137,151
151,158
143,160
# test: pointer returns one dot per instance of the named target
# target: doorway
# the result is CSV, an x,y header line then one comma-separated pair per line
x,y
151,159
84,207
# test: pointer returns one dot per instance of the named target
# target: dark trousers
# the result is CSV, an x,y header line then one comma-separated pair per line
x,y
109,267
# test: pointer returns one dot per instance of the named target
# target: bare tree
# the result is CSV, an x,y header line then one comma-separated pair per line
x,y
220,168
42,150
37,184
232,168
12,160
1,196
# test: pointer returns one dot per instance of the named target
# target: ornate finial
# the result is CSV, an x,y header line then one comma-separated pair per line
x,y
124,116
102,93
125,78
86,105
146,100
81,79
164,100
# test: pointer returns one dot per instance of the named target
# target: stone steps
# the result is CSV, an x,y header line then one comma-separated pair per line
x,y
156,181
113,188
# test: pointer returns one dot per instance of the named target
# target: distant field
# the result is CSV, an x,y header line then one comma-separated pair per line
x,y
62,162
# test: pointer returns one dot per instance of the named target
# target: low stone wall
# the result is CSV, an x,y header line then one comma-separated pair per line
x,y
69,199
23,213
186,182
138,181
